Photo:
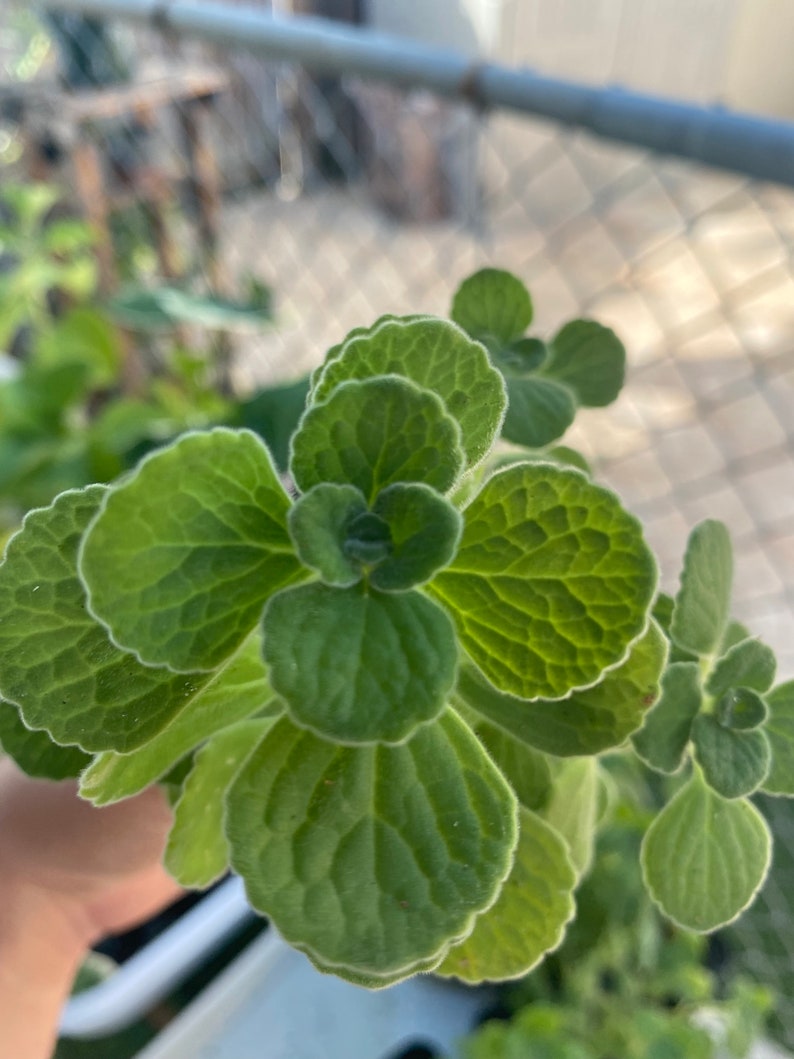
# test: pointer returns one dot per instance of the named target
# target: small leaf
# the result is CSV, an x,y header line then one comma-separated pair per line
x,y
436,355
184,552
704,857
371,858
747,664
232,694
197,852
492,304
424,532
34,752
551,583
373,433
590,360
588,721
530,914
779,731
702,606
56,663
359,666
527,770
734,763
319,523
539,410
573,808
663,738
741,709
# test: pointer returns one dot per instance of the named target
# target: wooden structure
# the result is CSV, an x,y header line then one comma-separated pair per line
x,y
58,123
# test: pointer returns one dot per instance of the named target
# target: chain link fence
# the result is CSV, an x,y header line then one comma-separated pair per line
x,y
351,200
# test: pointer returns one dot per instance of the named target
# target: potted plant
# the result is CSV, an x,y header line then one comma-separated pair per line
x,y
387,685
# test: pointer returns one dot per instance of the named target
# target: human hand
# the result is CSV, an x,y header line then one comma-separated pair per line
x,y
69,874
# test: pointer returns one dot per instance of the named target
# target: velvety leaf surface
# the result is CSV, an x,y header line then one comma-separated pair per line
x,y
588,721
590,360
526,769
319,522
232,694
748,664
371,858
34,752
373,433
357,665
529,917
56,663
197,852
573,808
436,355
663,738
551,583
493,304
704,857
780,733
424,531
183,554
734,763
741,709
702,606
539,410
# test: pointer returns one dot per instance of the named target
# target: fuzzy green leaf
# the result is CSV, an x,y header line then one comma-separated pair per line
x,y
573,808
436,355
424,531
371,858
34,752
734,763
704,857
197,852
56,663
590,360
780,733
529,917
319,523
232,694
741,709
663,738
357,665
492,304
527,770
539,410
551,583
702,606
183,554
373,433
589,721
747,664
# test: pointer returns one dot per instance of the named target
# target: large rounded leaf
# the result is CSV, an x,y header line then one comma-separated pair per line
x,y
374,433
551,584
356,665
372,858
183,554
437,355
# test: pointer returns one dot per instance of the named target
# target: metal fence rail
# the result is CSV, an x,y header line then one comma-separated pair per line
x,y
353,198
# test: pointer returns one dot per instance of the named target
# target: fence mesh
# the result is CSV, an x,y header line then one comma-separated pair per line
x,y
351,200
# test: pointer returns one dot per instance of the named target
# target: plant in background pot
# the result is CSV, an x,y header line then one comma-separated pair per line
x,y
389,686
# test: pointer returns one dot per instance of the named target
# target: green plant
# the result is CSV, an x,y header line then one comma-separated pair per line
x,y
393,684
624,982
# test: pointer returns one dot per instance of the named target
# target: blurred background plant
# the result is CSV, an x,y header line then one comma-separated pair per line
x,y
625,984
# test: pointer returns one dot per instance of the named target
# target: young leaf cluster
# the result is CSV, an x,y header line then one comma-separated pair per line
x,y
718,718
386,682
